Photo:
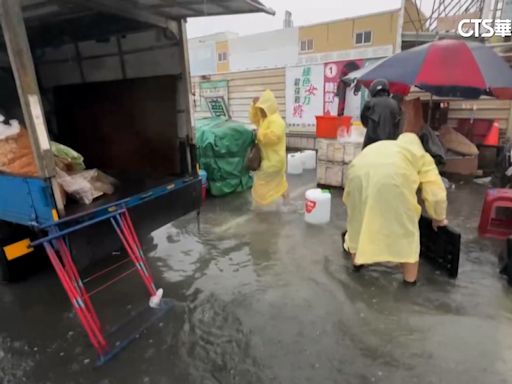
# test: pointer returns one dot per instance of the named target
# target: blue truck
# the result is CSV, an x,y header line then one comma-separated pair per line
x,y
111,80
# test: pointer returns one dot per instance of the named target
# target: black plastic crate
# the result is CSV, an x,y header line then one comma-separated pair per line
x,y
441,247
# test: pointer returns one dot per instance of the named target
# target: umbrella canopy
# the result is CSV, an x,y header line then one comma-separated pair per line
x,y
353,76
446,68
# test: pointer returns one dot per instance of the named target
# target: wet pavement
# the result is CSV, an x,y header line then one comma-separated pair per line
x,y
266,298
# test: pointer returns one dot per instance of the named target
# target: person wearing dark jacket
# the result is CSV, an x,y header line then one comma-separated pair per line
x,y
380,115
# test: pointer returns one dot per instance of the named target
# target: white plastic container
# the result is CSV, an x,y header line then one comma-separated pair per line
x,y
317,207
295,164
308,159
357,133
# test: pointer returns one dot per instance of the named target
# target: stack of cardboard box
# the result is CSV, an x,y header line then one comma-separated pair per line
x,y
333,159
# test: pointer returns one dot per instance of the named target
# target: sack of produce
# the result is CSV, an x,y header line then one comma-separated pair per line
x,y
85,186
66,158
16,156
454,141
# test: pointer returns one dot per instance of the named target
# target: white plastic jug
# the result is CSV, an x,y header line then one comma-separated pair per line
x,y
308,159
317,206
295,164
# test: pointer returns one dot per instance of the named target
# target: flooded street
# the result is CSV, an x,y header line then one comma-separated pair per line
x,y
266,298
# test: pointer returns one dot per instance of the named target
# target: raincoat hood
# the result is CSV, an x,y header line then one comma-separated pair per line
x,y
268,103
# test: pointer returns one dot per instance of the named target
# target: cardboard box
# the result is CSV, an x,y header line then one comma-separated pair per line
x,y
352,150
466,166
330,150
330,174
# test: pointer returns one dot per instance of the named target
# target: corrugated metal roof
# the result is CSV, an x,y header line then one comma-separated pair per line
x,y
48,10
50,22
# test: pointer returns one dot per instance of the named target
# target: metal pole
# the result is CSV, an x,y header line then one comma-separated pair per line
x,y
79,61
494,13
121,56
400,28
20,57
186,93
18,47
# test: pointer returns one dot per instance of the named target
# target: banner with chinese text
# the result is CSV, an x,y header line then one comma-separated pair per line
x,y
215,88
304,94
335,90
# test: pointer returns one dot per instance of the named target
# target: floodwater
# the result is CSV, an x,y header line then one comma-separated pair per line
x,y
266,298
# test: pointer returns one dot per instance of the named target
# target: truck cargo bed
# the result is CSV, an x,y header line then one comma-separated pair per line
x,y
128,187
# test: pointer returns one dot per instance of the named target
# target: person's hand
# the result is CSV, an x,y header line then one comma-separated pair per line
x,y
439,224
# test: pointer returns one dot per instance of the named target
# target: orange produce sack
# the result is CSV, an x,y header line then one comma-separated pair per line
x,y
16,156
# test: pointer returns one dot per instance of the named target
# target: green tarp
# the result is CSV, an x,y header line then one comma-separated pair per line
x,y
221,149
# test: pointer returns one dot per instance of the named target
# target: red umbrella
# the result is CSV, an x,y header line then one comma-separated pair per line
x,y
446,68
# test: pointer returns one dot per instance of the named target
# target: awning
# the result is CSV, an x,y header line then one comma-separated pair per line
x,y
49,22
152,10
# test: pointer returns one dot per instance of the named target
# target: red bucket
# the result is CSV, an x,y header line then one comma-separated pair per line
x,y
327,126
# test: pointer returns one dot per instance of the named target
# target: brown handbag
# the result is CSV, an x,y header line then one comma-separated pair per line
x,y
253,158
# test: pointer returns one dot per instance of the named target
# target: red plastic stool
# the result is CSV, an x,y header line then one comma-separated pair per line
x,y
490,225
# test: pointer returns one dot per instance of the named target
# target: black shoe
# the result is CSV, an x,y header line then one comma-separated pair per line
x,y
358,268
343,250
410,283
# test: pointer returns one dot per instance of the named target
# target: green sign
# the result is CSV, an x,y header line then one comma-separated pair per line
x,y
217,106
215,88
215,84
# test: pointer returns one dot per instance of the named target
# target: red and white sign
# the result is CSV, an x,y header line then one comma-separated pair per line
x,y
310,206
334,89
304,94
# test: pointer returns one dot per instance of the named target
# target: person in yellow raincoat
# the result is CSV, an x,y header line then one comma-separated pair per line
x,y
382,202
270,180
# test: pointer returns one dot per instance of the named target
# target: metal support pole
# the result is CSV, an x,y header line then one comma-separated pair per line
x,y
18,47
121,56
95,336
400,27
187,91
79,62
131,249
494,13
131,230
77,281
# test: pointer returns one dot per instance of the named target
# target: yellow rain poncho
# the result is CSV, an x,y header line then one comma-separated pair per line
x,y
270,180
382,203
